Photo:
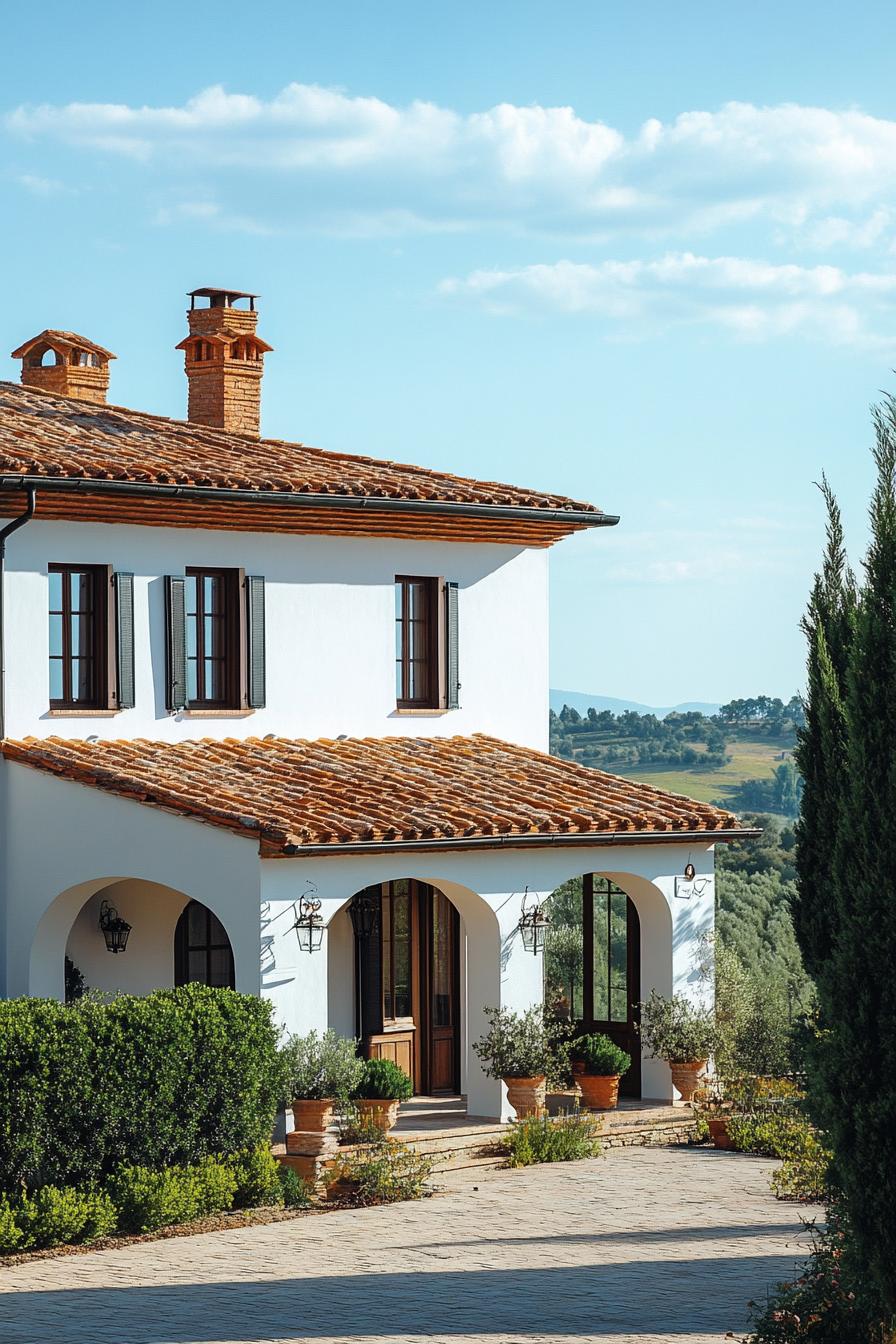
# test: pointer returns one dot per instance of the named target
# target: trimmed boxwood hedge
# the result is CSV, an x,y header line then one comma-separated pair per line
x,y
163,1080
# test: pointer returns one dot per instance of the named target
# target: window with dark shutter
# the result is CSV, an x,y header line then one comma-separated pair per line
x,y
78,636
123,692
452,663
175,642
255,642
416,643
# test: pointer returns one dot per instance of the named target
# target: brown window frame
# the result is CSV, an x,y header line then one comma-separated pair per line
x,y
390,1020
102,652
232,658
432,693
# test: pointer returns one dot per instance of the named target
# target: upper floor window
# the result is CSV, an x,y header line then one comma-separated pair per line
x,y
212,628
416,643
78,636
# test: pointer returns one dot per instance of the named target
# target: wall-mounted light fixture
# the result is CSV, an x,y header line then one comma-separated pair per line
x,y
364,912
115,930
309,923
533,925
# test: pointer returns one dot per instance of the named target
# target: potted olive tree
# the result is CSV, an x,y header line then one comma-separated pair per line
x,y
603,1064
319,1070
382,1086
683,1034
519,1049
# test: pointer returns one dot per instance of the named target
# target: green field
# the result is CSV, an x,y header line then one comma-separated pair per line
x,y
749,760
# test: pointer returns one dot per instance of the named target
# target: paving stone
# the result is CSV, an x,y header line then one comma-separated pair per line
x,y
646,1245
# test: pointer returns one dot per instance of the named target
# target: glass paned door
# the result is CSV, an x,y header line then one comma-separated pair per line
x,y
613,930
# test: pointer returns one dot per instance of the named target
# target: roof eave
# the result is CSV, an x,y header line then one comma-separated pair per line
x,y
576,518
580,839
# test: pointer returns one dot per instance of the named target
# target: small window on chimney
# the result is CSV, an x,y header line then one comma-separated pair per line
x,y
86,359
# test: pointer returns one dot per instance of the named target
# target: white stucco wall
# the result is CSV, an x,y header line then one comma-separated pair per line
x,y
153,912
65,843
330,632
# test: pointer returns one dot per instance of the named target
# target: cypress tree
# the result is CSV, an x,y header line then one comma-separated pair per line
x,y
821,743
849,869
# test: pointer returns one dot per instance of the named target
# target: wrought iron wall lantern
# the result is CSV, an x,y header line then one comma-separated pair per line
x,y
533,925
364,912
309,923
115,930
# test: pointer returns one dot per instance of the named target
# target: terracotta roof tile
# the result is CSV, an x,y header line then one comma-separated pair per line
x,y
371,791
42,434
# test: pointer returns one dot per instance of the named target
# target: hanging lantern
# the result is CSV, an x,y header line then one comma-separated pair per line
x,y
533,925
309,925
115,930
364,912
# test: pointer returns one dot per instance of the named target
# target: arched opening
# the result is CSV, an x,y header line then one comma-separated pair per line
x,y
407,936
202,951
592,964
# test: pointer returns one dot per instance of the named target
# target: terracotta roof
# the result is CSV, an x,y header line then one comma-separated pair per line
x,y
69,339
437,792
44,435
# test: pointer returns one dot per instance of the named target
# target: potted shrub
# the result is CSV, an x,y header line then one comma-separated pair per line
x,y
518,1048
683,1034
603,1064
382,1087
319,1070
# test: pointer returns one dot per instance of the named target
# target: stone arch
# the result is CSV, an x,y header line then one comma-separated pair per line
x,y
655,955
480,977
70,926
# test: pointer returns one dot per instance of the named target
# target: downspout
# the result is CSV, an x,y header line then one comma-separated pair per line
x,y
5,532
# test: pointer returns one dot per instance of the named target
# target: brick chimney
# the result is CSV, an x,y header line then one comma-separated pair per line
x,y
67,364
224,361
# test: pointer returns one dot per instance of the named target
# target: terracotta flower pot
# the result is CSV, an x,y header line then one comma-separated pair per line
x,y
379,1111
718,1131
686,1077
526,1095
314,1117
314,1133
600,1092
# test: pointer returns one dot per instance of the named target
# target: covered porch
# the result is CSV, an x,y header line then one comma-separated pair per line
x,y
444,841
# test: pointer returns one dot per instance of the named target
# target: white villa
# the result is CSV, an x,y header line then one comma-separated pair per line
x,y
240,677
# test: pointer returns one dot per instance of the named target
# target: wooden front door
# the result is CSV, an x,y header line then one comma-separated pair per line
x,y
612,929
408,985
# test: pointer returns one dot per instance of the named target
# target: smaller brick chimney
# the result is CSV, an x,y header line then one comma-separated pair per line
x,y
224,361
67,364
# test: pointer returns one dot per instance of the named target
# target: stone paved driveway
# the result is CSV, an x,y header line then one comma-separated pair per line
x,y
646,1245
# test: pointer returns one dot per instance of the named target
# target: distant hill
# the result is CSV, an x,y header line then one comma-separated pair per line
x,y
582,701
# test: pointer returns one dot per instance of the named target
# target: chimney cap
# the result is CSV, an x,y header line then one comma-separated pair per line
x,y
225,295
68,340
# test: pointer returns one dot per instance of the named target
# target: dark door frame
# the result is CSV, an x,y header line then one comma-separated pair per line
x,y
369,988
625,1034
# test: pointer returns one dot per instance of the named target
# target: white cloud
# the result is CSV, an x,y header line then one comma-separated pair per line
x,y
753,299
41,186
536,168
209,212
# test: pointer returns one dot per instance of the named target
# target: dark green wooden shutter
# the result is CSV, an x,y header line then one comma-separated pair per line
x,y
175,642
255,680
124,641
451,633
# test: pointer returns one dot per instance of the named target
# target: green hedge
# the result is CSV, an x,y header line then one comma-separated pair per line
x,y
163,1080
139,1199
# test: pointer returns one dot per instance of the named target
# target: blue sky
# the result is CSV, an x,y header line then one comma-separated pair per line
x,y
644,255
